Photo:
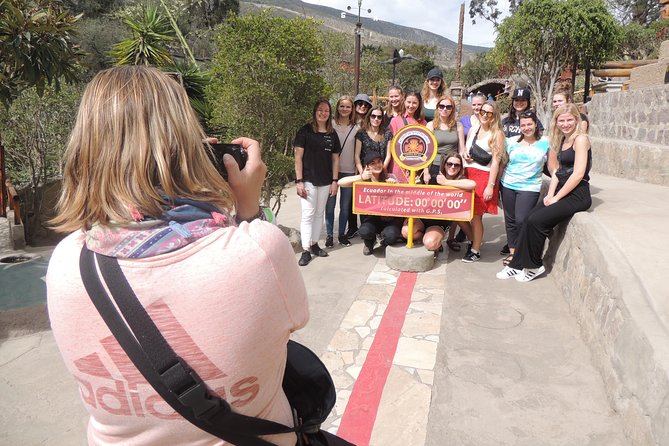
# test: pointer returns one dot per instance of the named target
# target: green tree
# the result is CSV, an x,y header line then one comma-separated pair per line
x,y
489,10
92,8
338,69
642,42
265,80
96,38
642,12
540,49
478,69
152,34
36,46
36,134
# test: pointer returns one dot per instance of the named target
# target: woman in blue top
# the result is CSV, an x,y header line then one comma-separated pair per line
x,y
521,180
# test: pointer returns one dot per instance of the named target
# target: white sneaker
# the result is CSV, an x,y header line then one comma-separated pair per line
x,y
530,273
508,273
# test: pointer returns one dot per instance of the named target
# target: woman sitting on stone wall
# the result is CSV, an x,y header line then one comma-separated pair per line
x,y
569,192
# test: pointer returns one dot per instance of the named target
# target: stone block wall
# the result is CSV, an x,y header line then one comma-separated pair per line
x,y
630,134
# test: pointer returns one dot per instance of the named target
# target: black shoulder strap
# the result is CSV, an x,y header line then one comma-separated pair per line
x,y
476,135
405,120
169,374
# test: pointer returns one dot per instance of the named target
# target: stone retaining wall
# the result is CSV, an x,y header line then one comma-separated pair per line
x,y
618,322
630,134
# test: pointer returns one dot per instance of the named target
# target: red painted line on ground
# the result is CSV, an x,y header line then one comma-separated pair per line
x,y
360,413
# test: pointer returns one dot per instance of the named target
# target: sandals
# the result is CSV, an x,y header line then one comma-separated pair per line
x,y
507,260
453,245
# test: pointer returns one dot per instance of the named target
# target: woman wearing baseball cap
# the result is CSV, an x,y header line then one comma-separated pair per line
x,y
389,228
520,102
434,87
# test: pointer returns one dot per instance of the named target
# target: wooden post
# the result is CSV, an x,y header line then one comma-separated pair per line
x,y
460,32
3,190
586,93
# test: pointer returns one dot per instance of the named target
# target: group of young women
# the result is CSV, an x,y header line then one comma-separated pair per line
x,y
494,157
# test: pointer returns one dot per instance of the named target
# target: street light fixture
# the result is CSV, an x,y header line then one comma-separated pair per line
x,y
358,32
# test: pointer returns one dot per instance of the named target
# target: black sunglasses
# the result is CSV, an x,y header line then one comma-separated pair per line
x,y
449,164
445,107
373,116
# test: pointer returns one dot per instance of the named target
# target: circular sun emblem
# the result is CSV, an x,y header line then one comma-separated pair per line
x,y
414,147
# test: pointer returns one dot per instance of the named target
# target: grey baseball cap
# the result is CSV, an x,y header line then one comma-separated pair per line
x,y
362,97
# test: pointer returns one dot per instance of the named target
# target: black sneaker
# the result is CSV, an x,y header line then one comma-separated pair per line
x,y
352,233
329,241
304,259
367,251
505,250
460,237
344,241
318,251
471,257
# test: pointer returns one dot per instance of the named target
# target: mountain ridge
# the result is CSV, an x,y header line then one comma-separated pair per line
x,y
373,31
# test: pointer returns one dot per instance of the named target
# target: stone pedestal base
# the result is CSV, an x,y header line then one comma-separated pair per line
x,y
416,259
16,232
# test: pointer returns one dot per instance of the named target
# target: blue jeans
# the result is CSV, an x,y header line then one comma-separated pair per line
x,y
345,208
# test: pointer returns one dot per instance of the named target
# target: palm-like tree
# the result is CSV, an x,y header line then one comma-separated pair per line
x,y
152,33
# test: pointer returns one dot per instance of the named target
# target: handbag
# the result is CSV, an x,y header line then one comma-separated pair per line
x,y
306,382
479,154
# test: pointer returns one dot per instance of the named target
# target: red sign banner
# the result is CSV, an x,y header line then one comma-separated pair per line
x,y
413,200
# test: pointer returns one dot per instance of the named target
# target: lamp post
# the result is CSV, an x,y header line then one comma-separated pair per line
x,y
358,32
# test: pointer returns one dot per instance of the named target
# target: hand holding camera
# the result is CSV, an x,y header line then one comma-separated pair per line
x,y
241,165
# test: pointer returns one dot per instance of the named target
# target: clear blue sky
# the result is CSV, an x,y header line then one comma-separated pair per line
x,y
437,16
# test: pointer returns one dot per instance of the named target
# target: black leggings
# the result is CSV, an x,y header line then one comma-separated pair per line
x,y
542,219
517,206
391,231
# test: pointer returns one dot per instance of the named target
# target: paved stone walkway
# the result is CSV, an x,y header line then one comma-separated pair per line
x,y
453,357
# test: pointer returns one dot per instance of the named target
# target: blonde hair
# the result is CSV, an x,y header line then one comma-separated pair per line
x,y
425,91
351,116
451,121
136,143
389,106
555,135
497,142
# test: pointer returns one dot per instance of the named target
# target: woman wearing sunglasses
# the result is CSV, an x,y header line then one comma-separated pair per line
x,y
485,153
568,193
521,180
451,173
449,134
373,137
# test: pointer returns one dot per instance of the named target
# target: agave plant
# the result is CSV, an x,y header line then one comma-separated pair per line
x,y
152,33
